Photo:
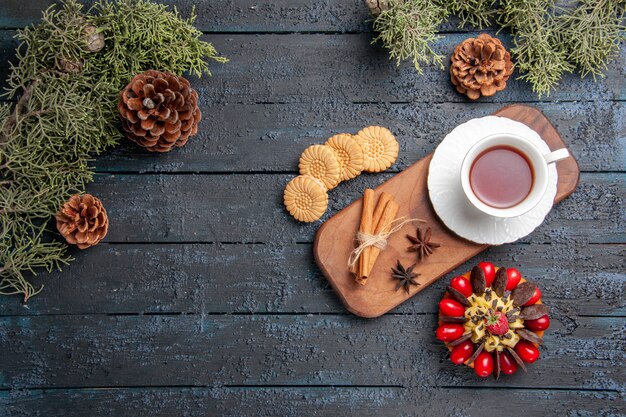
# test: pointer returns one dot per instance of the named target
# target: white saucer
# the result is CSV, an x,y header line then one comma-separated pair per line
x,y
449,201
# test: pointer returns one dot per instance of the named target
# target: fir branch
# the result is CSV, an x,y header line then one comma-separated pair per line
x,y
408,28
476,13
537,49
143,35
591,34
61,120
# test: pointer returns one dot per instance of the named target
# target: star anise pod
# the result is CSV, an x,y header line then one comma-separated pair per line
x,y
406,277
421,243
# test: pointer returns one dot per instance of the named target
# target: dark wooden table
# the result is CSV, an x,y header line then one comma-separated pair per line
x,y
204,298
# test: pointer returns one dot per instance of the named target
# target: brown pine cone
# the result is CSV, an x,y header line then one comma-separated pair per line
x,y
480,66
159,110
93,38
376,7
70,66
82,221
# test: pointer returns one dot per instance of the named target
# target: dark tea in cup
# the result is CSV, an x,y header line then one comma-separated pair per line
x,y
501,176
505,175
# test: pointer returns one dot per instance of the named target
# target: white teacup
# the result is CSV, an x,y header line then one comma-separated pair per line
x,y
539,165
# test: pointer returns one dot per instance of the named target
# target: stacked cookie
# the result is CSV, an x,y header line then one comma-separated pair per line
x,y
341,158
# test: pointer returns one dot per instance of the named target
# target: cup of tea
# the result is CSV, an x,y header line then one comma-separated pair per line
x,y
506,175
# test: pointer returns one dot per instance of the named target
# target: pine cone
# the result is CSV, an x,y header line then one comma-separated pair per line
x,y
376,7
480,66
93,38
159,110
70,66
82,221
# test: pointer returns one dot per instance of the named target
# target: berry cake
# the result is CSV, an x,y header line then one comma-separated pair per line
x,y
492,320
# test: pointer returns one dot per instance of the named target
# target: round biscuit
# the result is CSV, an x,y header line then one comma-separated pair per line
x,y
380,148
349,153
306,198
320,162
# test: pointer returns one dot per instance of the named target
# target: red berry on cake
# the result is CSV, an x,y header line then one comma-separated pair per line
x,y
461,353
507,364
449,332
483,365
513,278
451,308
527,351
497,323
462,285
489,270
537,325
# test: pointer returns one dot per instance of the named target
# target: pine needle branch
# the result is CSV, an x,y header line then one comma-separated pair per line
x,y
408,28
591,34
537,50
66,113
476,13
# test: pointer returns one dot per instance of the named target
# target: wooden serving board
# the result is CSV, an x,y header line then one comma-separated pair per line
x,y
334,240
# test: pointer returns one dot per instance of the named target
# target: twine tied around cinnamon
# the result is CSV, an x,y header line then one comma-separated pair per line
x,y
379,241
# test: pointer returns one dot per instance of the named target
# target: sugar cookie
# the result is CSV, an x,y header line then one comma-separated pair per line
x,y
380,148
306,198
320,162
349,153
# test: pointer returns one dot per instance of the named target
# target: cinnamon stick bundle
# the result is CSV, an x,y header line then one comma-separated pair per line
x,y
374,222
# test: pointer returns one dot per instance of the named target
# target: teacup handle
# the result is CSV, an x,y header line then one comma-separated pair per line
x,y
556,155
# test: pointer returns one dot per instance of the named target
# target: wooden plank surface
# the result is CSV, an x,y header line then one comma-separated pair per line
x,y
194,307
215,350
233,16
247,16
310,401
207,278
